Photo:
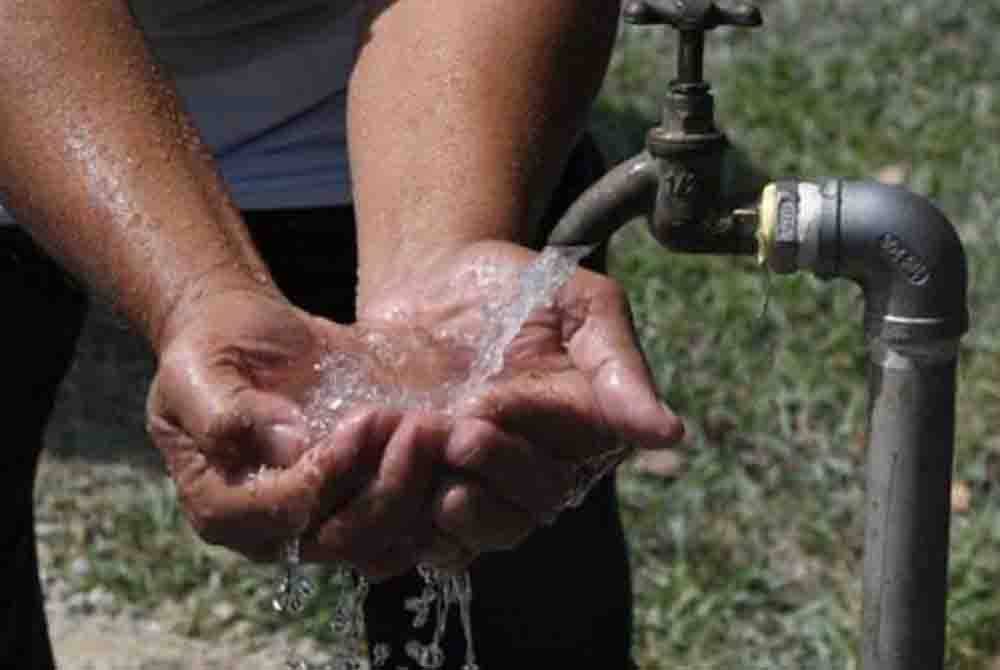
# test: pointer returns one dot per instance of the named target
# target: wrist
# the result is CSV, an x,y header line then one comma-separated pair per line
x,y
186,301
428,281
400,268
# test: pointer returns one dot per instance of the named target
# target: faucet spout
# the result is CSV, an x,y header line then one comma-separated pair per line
x,y
625,193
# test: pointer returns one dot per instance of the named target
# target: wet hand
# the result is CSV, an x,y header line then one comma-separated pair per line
x,y
410,485
573,390
225,410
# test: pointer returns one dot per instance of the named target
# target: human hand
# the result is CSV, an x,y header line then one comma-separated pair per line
x,y
574,386
225,411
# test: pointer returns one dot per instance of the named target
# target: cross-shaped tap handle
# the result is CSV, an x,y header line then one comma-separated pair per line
x,y
691,18
691,15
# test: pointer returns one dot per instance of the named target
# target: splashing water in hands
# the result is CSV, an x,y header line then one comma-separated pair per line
x,y
349,379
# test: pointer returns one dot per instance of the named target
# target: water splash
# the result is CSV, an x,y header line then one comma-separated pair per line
x,y
463,590
767,288
294,589
348,379
536,287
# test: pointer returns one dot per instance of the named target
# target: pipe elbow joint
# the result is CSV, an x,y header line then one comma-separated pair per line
x,y
895,244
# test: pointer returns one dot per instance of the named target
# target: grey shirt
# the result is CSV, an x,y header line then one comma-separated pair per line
x,y
265,81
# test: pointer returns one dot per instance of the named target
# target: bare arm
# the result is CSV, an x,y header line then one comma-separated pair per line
x,y
461,116
101,164
103,167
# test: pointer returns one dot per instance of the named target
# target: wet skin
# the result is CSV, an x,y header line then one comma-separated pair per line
x,y
460,118
438,487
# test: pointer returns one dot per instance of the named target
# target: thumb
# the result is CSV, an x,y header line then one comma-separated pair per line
x,y
605,349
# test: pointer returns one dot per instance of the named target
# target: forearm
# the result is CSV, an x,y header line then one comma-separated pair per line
x,y
461,115
101,164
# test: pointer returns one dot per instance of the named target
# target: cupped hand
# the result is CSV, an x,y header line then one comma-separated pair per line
x,y
467,469
573,390
225,410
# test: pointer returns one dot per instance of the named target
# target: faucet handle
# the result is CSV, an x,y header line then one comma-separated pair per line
x,y
692,15
691,18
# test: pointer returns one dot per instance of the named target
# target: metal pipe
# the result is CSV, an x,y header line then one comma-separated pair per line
x,y
911,429
663,191
897,246
626,192
908,261
910,264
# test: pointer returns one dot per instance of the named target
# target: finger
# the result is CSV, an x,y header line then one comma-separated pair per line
x,y
246,515
359,440
226,415
469,515
512,468
393,503
602,344
360,437
555,412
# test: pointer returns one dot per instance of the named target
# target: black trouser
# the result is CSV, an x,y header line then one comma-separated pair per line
x,y
42,316
562,597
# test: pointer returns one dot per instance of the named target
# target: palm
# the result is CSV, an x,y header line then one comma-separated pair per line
x,y
571,378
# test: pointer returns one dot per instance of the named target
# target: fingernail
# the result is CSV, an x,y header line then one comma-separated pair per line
x,y
288,442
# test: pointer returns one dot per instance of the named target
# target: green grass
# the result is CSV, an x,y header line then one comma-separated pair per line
x,y
751,559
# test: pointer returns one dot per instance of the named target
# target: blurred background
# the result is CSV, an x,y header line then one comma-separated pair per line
x,y
746,541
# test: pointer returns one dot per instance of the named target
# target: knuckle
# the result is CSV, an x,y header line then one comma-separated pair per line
x,y
614,292
606,290
469,444
457,509
357,421
173,375
165,434
424,431
410,429
224,422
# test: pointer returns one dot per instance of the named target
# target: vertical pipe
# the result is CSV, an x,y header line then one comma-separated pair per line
x,y
911,435
690,57
909,261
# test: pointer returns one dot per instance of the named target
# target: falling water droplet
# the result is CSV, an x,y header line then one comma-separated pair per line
x,y
342,622
767,286
427,656
380,654
463,589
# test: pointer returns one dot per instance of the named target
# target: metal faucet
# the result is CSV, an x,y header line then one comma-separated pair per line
x,y
677,180
896,246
